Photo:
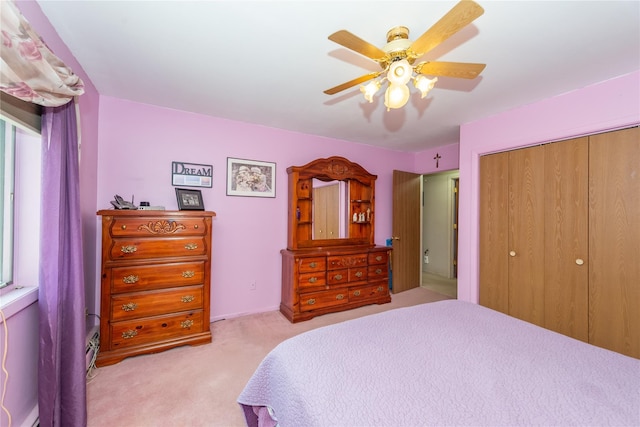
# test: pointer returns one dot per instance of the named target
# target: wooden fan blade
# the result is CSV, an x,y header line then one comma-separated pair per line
x,y
457,18
355,43
461,70
351,83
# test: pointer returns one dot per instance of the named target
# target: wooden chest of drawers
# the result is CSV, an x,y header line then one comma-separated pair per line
x,y
155,281
321,281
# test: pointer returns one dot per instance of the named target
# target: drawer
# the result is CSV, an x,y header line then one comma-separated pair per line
x,y
131,248
381,257
312,280
155,329
378,272
346,261
315,300
336,277
357,274
153,303
307,265
157,226
366,292
145,277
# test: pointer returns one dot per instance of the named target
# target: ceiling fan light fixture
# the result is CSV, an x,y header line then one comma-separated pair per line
x,y
397,58
424,84
396,96
400,72
370,89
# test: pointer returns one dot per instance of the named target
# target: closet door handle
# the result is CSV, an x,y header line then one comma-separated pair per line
x,y
579,261
512,253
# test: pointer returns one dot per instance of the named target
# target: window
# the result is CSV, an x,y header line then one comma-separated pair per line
x,y
20,162
7,163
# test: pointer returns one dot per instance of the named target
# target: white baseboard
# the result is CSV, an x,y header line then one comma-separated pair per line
x,y
33,419
232,315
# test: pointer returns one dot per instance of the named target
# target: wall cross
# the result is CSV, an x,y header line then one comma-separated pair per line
x,y
437,159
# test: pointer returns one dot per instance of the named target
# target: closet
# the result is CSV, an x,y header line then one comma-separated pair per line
x,y
560,237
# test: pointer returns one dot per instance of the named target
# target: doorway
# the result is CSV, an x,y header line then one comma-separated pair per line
x,y
440,232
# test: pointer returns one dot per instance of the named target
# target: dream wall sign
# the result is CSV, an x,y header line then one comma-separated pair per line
x,y
191,174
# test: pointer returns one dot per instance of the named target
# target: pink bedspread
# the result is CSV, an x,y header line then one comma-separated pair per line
x,y
442,363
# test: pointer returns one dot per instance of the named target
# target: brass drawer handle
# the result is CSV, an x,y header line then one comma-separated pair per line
x,y
129,249
379,258
186,324
356,293
129,334
196,226
378,270
124,227
187,298
311,301
313,280
188,274
191,246
129,306
313,265
338,277
339,296
359,274
380,289
132,278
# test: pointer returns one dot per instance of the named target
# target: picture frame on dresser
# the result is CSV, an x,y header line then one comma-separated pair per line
x,y
189,200
250,178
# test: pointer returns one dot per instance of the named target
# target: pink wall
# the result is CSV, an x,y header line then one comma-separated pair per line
x,y
425,163
137,144
605,106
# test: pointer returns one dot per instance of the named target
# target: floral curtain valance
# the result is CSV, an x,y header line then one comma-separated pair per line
x,y
29,70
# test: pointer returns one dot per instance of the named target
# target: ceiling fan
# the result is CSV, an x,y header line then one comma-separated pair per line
x,y
398,56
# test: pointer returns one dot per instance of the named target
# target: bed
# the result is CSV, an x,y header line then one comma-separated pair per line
x,y
442,363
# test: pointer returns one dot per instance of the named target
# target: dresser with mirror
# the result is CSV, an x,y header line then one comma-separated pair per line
x,y
331,262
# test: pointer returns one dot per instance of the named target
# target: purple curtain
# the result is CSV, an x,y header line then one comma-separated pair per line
x,y
61,370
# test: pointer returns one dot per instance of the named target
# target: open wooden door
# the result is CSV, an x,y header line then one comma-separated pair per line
x,y
406,258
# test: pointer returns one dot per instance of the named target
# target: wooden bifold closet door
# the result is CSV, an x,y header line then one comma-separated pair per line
x,y
614,241
566,245
560,237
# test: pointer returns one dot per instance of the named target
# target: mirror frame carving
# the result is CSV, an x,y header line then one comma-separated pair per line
x,y
361,190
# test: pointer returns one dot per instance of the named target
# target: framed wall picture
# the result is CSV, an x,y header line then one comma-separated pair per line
x,y
250,178
189,200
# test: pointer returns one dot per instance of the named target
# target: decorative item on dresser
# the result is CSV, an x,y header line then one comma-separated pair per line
x,y
156,268
331,262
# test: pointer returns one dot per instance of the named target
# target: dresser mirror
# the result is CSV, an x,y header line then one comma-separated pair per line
x,y
330,209
331,203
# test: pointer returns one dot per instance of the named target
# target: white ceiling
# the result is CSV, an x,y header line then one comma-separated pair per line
x,y
268,62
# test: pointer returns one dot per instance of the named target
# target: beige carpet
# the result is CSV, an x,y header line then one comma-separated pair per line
x,y
440,284
198,386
